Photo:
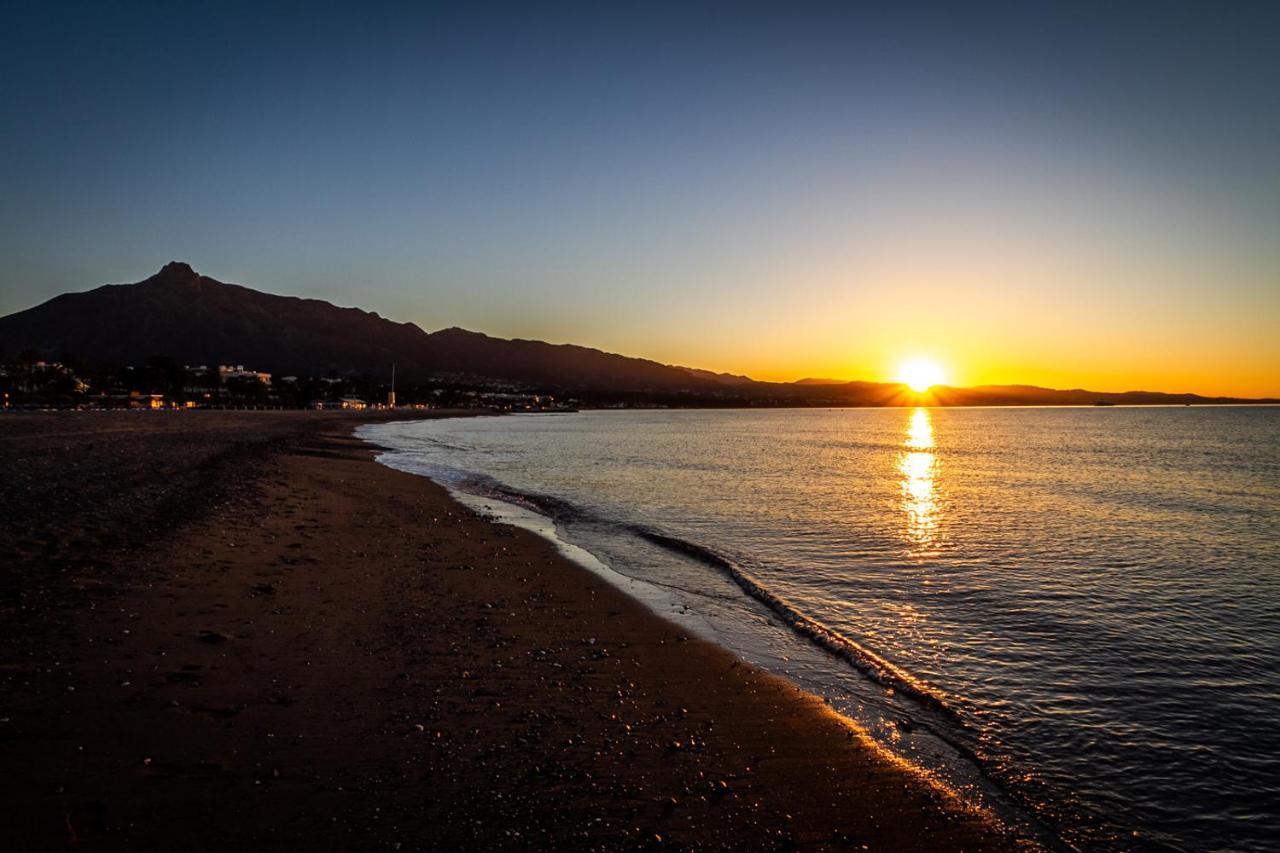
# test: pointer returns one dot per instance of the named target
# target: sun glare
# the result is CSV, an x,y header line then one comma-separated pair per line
x,y
920,374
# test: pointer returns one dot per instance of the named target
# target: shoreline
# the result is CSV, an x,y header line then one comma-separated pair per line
x,y
323,651
933,752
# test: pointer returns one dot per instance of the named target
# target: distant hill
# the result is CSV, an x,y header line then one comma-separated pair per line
x,y
198,320
1030,395
815,380
892,394
721,378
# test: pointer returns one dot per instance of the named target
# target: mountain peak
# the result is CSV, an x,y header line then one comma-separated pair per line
x,y
176,271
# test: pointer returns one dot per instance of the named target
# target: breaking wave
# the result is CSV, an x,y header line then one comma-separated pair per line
x,y
865,660
882,670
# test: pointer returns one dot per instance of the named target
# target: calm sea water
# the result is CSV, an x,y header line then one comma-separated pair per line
x,y
1071,614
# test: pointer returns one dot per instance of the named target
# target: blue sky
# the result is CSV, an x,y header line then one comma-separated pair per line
x,y
1027,194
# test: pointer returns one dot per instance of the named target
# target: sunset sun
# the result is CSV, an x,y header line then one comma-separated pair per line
x,y
920,374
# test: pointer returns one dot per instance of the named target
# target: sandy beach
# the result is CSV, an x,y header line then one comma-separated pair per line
x,y
225,630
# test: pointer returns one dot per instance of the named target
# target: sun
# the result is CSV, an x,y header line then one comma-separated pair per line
x,y
920,374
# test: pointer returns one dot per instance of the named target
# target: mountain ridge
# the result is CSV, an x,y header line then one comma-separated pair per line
x,y
196,319
201,320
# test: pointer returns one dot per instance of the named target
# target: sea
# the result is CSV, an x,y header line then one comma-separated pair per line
x,y
1070,616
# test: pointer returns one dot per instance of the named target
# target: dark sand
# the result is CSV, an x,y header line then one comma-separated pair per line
x,y
235,630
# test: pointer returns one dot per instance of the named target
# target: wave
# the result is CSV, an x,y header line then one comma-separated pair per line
x,y
948,725
879,668
543,504
436,441
865,660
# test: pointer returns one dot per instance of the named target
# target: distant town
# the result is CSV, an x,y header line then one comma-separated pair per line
x,y
30,383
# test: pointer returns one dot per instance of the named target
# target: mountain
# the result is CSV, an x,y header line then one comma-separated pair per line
x,y
198,320
817,380
1031,395
721,378
457,353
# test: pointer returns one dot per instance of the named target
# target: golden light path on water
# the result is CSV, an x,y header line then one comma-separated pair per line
x,y
918,467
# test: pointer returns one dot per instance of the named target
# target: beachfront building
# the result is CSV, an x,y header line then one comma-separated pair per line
x,y
349,403
238,371
143,400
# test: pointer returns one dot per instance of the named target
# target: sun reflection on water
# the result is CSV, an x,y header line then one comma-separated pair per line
x,y
918,467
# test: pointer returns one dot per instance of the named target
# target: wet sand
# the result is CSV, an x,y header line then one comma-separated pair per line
x,y
231,630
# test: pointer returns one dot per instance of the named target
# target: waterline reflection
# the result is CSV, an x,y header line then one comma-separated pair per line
x,y
918,467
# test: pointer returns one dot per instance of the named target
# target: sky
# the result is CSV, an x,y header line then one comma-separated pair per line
x,y
1072,196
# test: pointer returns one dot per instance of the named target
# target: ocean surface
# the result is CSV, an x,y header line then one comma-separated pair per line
x,y
1069,614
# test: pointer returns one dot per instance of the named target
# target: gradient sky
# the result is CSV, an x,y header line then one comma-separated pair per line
x,y
1080,196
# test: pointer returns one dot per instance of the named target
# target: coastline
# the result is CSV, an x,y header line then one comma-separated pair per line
x,y
319,650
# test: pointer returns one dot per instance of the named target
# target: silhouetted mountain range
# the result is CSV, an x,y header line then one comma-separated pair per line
x,y
197,320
